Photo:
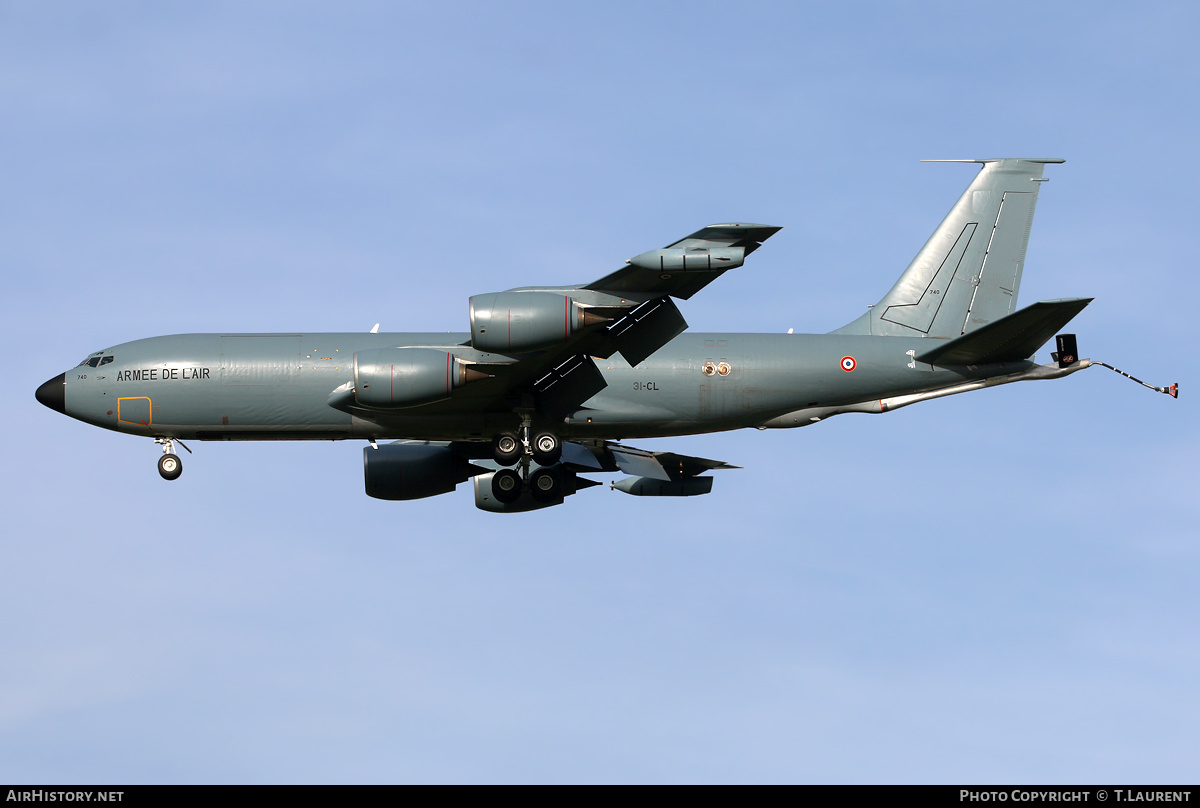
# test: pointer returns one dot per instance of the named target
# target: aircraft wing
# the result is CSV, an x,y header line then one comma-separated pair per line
x,y
629,311
564,376
684,267
655,474
601,456
661,465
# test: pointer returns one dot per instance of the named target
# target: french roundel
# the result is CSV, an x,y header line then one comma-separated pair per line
x,y
848,363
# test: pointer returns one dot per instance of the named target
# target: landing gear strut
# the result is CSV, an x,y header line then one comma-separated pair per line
x,y
523,447
170,465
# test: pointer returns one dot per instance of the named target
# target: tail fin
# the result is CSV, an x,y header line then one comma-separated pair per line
x,y
969,271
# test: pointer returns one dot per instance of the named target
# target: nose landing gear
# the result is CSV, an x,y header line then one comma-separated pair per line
x,y
170,465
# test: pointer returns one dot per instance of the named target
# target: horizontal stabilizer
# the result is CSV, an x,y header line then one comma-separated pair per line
x,y
1012,338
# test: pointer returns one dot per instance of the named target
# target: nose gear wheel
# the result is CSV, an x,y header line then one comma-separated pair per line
x,y
170,465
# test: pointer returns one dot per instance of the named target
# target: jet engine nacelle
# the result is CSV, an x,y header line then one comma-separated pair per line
x,y
412,470
407,377
507,322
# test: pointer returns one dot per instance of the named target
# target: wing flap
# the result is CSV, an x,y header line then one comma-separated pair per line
x,y
578,457
667,466
646,329
567,386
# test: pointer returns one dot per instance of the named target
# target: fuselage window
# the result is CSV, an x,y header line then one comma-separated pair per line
x,y
95,360
104,360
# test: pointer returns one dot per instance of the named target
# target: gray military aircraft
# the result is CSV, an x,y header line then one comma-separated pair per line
x,y
550,379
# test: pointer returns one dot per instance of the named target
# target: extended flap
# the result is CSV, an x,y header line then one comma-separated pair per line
x,y
646,329
662,465
564,388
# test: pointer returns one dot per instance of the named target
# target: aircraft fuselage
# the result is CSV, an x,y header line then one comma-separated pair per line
x,y
278,386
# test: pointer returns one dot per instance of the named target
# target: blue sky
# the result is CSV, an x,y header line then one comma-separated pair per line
x,y
995,587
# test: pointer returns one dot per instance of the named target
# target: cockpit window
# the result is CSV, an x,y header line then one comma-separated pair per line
x,y
96,359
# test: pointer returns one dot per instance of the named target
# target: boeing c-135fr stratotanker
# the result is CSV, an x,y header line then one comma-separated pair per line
x,y
550,379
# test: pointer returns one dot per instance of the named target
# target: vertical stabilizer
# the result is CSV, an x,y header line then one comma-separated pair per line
x,y
969,271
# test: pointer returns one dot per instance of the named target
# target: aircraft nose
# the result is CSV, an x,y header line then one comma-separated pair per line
x,y
52,393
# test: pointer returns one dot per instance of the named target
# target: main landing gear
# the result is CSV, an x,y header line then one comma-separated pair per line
x,y
510,448
507,485
506,449
545,485
170,465
521,447
547,448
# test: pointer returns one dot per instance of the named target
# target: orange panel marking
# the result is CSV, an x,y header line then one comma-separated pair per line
x,y
140,421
